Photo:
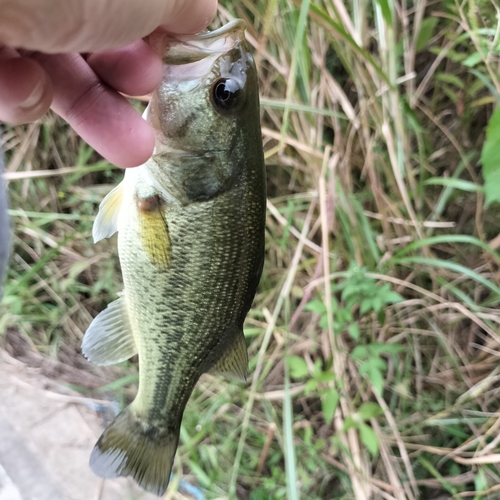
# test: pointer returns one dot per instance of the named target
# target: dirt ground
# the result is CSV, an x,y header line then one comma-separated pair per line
x,y
46,435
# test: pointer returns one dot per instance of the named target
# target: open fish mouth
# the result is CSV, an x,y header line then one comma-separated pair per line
x,y
185,49
236,25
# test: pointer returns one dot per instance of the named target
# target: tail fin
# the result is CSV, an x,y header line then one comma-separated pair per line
x,y
128,447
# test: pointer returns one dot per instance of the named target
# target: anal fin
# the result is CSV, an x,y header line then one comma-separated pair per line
x,y
109,339
233,364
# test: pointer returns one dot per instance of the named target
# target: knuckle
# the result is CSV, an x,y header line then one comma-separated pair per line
x,y
78,110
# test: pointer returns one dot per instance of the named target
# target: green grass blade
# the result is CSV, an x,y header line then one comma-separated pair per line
x,y
451,266
340,30
447,239
460,184
290,459
292,78
48,216
281,104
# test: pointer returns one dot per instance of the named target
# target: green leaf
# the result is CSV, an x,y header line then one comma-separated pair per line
x,y
381,348
316,306
490,158
349,423
480,481
343,315
451,79
426,30
377,380
385,7
366,305
369,438
329,405
369,410
373,368
377,304
311,386
351,289
372,364
298,367
353,330
325,377
359,352
392,298
259,494
472,60
317,368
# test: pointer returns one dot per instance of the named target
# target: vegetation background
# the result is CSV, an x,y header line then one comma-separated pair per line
x,y
375,335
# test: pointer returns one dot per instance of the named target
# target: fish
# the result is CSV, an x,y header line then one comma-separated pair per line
x,y
191,228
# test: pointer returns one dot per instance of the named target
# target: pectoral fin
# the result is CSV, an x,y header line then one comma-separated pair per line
x,y
233,364
106,222
109,338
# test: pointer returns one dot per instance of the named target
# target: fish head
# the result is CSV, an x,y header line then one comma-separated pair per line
x,y
207,104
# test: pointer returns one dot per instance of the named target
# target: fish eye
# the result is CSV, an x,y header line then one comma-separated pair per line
x,y
226,94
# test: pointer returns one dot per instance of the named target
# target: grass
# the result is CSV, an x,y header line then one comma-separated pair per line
x,y
375,334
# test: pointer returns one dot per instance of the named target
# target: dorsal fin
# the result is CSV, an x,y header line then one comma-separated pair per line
x,y
106,222
233,364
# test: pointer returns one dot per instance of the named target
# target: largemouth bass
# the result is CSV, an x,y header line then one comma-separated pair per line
x,y
190,227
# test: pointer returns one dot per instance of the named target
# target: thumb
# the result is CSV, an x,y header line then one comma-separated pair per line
x,y
94,25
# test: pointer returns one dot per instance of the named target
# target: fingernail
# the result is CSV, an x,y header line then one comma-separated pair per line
x,y
35,97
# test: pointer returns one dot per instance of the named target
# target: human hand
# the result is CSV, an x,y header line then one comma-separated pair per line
x,y
77,55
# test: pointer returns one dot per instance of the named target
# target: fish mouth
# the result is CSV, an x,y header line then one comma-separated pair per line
x,y
185,49
236,25
167,150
